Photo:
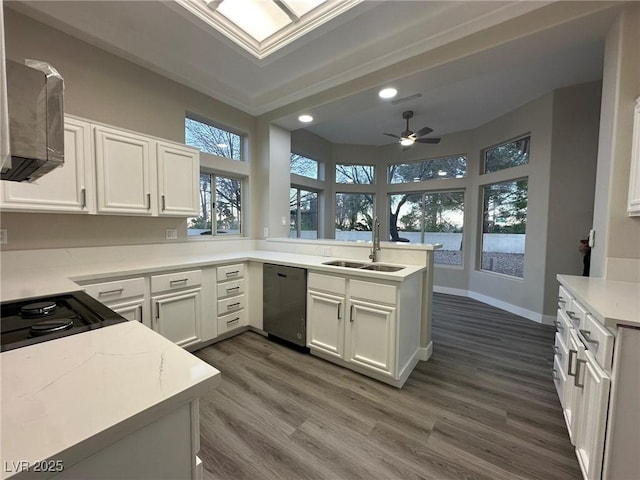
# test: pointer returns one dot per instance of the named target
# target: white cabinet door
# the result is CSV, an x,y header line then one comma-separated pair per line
x,y
178,316
634,177
572,393
370,336
125,163
325,322
178,180
594,383
68,188
132,311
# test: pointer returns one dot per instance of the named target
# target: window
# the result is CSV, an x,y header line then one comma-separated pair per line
x,y
447,167
354,216
304,213
504,222
304,166
222,206
507,155
358,174
211,139
430,217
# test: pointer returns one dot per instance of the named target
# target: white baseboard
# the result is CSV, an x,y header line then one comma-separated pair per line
x,y
424,353
494,302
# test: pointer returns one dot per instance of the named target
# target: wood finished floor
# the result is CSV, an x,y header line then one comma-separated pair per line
x,y
483,407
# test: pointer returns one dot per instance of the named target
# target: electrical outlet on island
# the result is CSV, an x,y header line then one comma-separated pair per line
x,y
171,234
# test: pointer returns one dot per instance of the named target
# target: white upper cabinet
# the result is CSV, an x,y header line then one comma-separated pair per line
x,y
68,188
124,173
633,208
178,180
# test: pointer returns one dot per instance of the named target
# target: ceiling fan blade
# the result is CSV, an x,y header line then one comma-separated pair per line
x,y
392,135
428,140
423,131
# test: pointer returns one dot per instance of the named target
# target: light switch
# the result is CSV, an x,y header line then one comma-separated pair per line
x,y
3,236
592,237
283,220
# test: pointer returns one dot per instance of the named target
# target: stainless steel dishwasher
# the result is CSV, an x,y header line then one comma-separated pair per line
x,y
284,303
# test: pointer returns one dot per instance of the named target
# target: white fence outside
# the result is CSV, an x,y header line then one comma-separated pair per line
x,y
492,242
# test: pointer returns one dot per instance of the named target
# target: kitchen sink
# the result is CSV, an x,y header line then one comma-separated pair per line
x,y
378,267
345,263
382,268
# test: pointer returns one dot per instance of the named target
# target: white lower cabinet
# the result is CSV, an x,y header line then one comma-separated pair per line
x,y
368,326
371,336
126,297
232,301
177,305
599,389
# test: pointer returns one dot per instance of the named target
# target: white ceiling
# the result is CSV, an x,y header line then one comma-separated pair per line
x,y
374,35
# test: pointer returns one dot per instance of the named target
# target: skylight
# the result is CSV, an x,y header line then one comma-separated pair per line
x,y
264,26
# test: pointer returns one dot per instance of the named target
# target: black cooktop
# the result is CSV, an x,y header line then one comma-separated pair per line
x,y
34,320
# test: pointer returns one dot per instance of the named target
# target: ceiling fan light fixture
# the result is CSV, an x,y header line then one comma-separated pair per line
x,y
406,142
388,92
305,118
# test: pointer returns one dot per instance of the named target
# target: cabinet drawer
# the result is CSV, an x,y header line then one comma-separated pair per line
x,y
116,290
175,281
230,304
564,299
230,288
599,341
563,325
577,314
230,272
561,351
232,320
377,292
327,283
559,378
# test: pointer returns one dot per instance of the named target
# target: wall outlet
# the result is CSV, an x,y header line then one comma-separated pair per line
x,y
3,236
266,232
326,251
171,234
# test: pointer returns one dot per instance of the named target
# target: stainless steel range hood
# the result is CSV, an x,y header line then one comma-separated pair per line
x,y
36,120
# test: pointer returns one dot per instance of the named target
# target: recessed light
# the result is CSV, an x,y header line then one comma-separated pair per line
x,y
305,118
388,92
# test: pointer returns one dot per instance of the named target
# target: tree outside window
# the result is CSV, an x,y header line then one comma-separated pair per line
x,y
354,216
213,140
224,206
355,174
304,213
301,165
504,223
507,155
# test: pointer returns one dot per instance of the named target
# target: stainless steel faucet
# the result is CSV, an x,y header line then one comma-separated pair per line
x,y
376,240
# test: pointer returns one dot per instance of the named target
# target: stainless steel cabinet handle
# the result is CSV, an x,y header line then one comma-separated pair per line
x,y
111,292
340,311
83,198
561,300
556,350
148,201
571,315
576,381
558,325
571,354
351,314
233,289
157,310
554,373
587,336
175,282
164,203
232,274
231,306
229,322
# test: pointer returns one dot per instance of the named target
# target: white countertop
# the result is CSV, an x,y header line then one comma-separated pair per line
x,y
613,303
68,398
27,281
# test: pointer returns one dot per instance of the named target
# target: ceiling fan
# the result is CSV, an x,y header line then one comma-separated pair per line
x,y
408,137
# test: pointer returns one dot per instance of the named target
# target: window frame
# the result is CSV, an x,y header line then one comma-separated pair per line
x,y
214,175
427,160
371,184
483,154
318,193
318,167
